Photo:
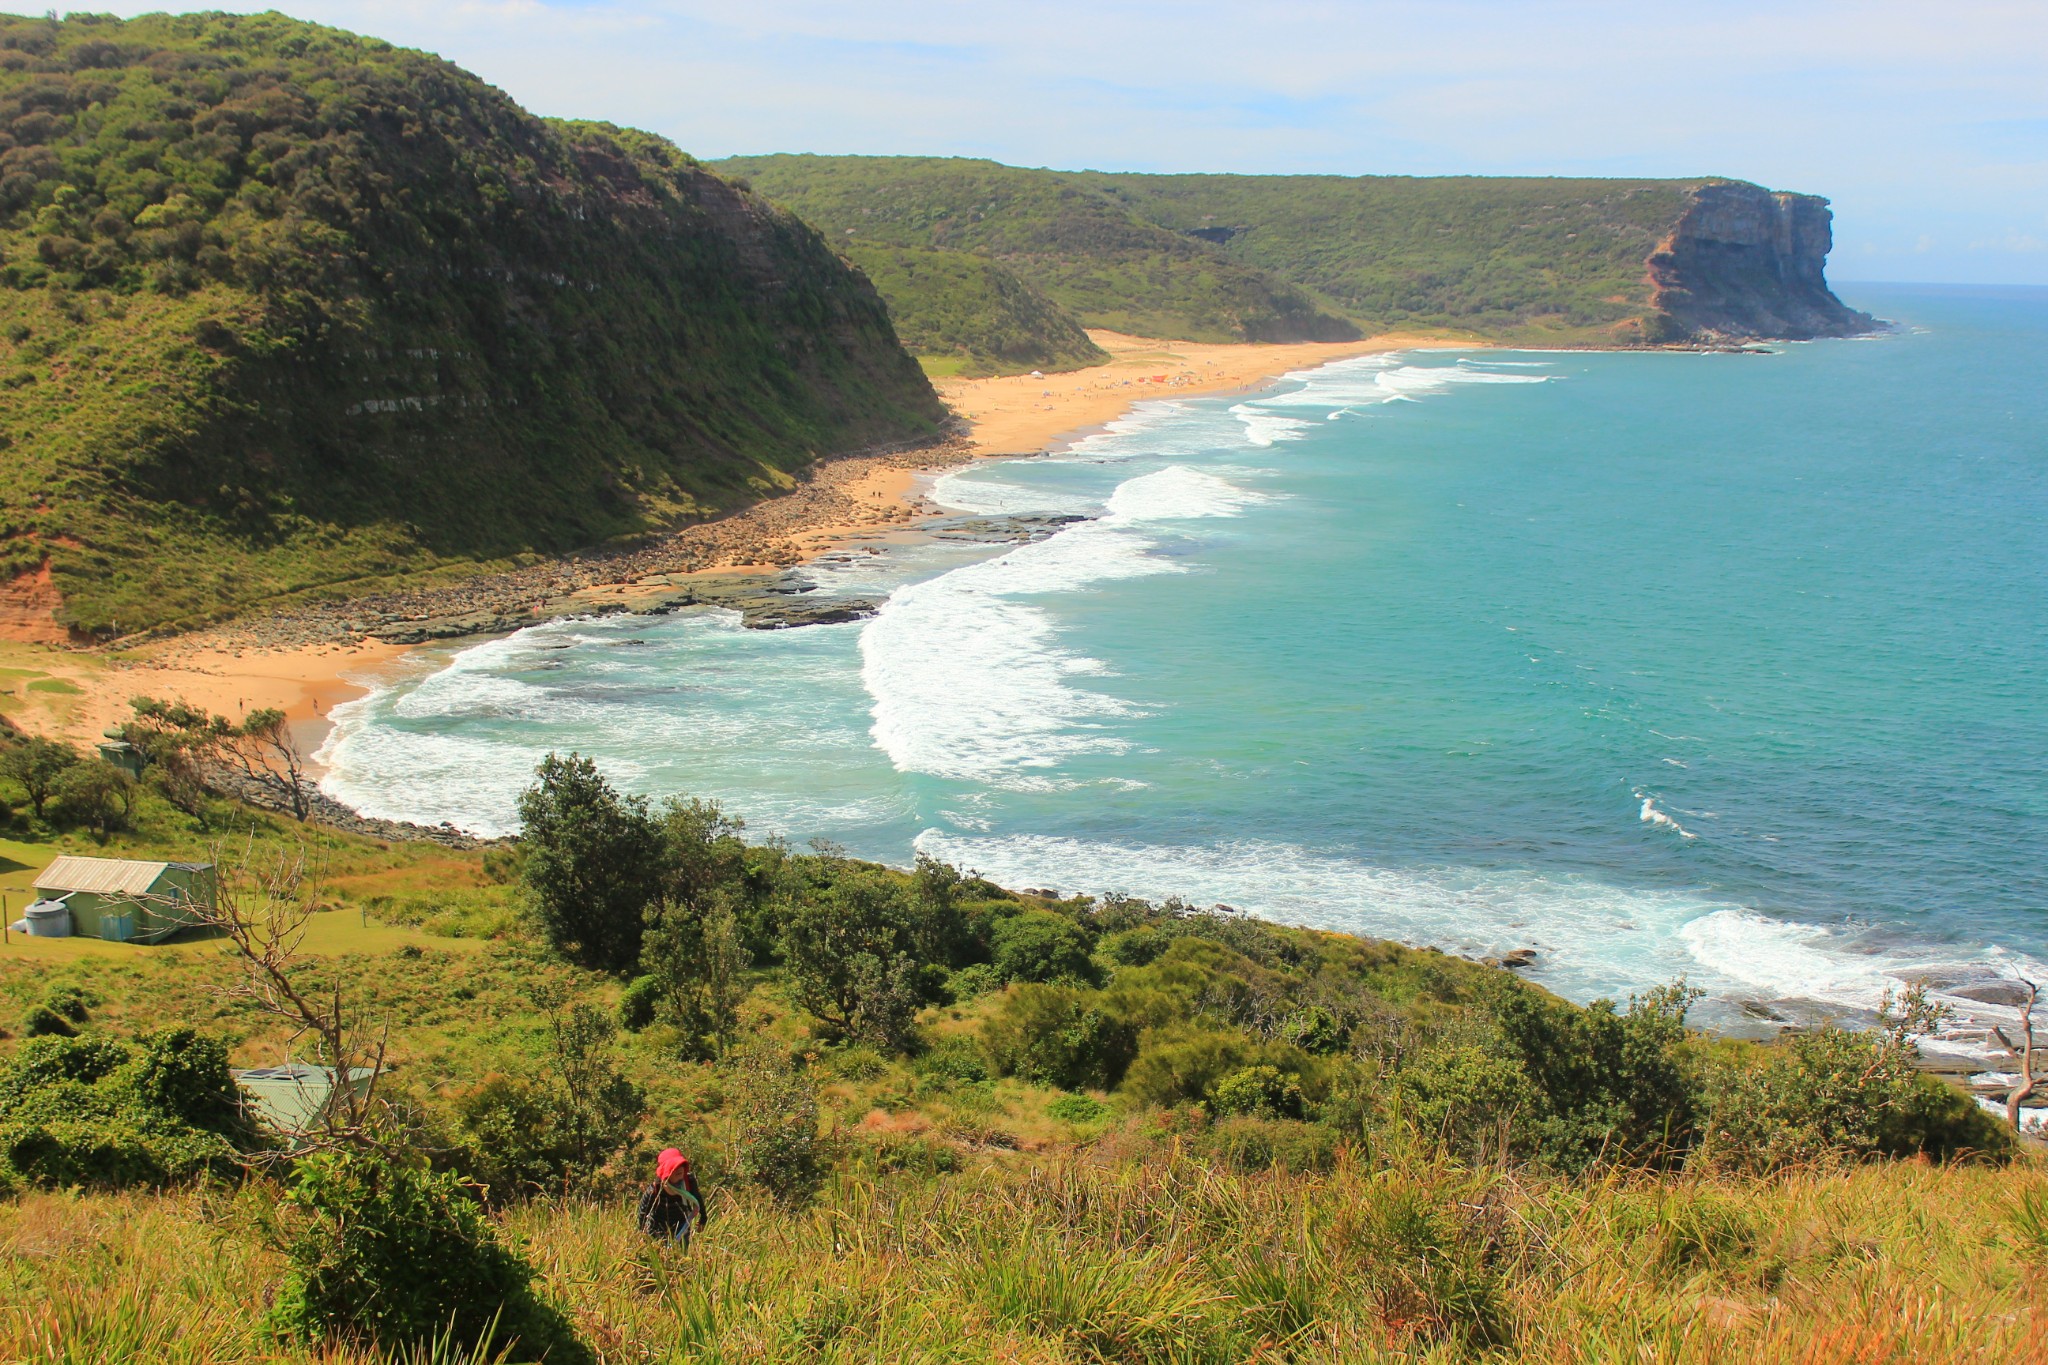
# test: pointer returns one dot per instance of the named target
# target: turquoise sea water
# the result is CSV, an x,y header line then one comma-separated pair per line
x,y
1729,666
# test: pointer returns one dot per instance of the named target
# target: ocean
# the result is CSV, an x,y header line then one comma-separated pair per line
x,y
1722,666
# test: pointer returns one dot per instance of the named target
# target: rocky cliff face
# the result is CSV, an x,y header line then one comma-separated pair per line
x,y
1742,263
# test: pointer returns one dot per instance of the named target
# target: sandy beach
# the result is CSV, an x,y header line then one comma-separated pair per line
x,y
1026,414
241,667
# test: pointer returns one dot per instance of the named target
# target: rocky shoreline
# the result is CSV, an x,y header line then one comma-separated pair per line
x,y
678,570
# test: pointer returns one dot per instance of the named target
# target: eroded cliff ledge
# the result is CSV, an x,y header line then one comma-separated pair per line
x,y
1744,263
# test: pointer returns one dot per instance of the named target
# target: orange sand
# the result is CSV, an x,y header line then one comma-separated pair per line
x,y
1020,415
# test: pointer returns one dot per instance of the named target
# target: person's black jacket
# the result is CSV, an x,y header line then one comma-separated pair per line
x,y
662,1212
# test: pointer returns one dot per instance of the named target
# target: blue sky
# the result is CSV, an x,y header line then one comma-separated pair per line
x,y
1926,123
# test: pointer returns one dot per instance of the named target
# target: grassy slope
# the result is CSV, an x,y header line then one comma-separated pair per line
x,y
1146,1257
283,307
1083,250
1130,1236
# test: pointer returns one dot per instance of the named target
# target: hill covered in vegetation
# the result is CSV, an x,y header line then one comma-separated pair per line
x,y
935,1119
283,309
1105,265
1265,258
970,315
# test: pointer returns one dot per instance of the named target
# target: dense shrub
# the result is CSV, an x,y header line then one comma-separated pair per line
x,y
1263,1092
1316,1031
637,1003
94,1112
1060,1036
398,1257
1834,1094
1135,947
515,1142
1615,1084
973,981
73,1002
1263,1144
1184,1063
1038,946
40,1021
856,1063
1077,1109
1475,1102
956,1059
774,1110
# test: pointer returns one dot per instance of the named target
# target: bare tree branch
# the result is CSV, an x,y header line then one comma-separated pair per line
x,y
2022,1056
263,910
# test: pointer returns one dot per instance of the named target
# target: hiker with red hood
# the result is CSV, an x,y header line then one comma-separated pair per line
x,y
672,1207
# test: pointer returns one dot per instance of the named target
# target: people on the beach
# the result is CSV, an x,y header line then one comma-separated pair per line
x,y
672,1208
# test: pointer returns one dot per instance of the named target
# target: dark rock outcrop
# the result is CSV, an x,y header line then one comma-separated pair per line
x,y
1743,263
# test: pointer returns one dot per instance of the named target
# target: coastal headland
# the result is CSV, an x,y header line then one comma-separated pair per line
x,y
304,660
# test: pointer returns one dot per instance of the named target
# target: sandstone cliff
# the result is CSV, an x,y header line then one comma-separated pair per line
x,y
1744,263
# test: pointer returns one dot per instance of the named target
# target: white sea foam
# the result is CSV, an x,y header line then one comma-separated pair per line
x,y
1651,815
1592,938
985,492
1830,965
967,675
1365,382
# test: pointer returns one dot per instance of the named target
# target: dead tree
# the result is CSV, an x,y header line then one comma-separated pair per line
x,y
2022,1055
263,911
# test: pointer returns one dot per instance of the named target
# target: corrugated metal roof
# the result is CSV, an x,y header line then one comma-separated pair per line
x,y
102,875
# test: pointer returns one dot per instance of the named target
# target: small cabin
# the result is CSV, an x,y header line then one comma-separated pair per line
x,y
122,899
123,755
293,1100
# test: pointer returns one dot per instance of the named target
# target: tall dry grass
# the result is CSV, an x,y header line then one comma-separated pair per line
x,y
1155,1258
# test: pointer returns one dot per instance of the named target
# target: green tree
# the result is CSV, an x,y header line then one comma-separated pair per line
x,y
705,855
97,795
178,743
36,763
599,1107
265,753
594,863
1038,946
695,963
849,956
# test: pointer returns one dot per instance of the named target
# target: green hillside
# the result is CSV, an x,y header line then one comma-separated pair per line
x,y
966,314
1494,256
1084,250
1270,257
283,308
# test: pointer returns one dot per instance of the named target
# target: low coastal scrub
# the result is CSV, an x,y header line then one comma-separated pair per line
x,y
939,1119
